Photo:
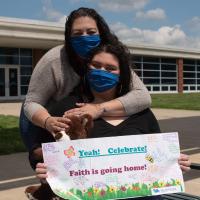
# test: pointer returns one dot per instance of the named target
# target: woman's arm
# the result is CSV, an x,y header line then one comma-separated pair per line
x,y
138,98
47,84
133,102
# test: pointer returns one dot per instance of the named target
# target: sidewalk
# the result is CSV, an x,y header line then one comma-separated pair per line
x,y
16,174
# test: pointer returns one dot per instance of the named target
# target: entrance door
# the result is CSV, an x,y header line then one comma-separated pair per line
x,y
9,82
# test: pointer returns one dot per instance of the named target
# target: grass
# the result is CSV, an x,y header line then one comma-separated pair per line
x,y
186,101
10,139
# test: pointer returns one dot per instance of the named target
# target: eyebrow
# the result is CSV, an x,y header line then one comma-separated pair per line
x,y
84,29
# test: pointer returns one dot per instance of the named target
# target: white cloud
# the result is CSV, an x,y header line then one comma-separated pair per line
x,y
52,14
194,23
122,5
164,36
155,14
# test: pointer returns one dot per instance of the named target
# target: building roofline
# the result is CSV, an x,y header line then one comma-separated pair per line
x,y
16,32
168,51
29,22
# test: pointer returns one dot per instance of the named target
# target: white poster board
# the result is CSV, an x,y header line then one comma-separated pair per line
x,y
114,167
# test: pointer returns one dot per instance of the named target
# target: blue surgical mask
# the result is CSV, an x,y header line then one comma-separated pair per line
x,y
82,45
101,80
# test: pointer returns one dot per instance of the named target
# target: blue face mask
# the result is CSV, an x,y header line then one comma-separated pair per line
x,y
82,45
101,80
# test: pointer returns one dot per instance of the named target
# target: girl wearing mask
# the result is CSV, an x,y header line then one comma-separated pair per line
x,y
107,77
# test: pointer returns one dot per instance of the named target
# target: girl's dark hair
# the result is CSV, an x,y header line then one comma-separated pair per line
x,y
122,53
104,32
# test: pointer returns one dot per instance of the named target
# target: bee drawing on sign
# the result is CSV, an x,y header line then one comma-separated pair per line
x,y
149,158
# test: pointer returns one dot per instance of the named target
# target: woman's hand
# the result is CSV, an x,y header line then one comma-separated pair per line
x,y
95,110
41,171
184,162
57,124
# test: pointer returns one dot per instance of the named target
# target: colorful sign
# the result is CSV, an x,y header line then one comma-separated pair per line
x,y
114,167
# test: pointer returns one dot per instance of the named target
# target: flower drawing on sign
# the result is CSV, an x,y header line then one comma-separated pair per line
x,y
69,152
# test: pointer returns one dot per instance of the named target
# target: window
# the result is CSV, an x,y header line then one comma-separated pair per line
x,y
157,73
191,74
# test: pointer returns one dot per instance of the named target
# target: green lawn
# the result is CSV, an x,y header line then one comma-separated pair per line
x,y
188,101
10,139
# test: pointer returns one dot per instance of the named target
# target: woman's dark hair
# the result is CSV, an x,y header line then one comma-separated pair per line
x,y
104,32
122,53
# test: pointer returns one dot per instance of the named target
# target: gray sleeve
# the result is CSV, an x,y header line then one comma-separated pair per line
x,y
42,86
138,98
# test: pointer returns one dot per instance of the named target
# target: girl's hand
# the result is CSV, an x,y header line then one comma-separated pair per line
x,y
41,171
94,110
57,124
184,162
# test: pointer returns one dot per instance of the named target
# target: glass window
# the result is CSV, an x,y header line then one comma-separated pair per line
x,y
25,52
189,81
9,51
151,74
168,60
198,62
185,88
25,80
137,66
168,74
24,90
26,60
188,75
192,88
168,81
173,88
136,58
198,68
151,81
151,59
156,88
168,67
2,82
198,81
9,60
26,70
164,88
139,73
149,88
188,68
198,75
198,87
189,61
151,66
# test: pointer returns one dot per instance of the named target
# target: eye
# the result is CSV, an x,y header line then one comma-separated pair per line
x,y
76,34
111,68
95,65
91,32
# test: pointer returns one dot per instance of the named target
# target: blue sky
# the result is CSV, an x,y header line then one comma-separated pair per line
x,y
157,22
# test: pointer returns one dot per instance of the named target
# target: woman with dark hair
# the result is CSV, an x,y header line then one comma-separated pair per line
x,y
104,81
62,68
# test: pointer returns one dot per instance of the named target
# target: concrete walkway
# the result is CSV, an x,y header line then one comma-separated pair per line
x,y
16,174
